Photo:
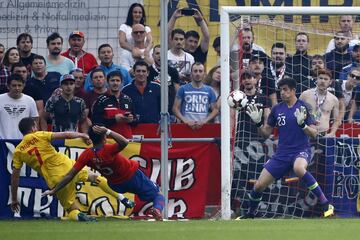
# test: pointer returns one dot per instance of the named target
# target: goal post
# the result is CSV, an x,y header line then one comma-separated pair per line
x,y
225,13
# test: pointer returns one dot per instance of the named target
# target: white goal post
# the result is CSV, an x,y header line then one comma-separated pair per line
x,y
225,74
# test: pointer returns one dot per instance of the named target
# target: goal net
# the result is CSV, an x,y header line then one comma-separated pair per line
x,y
296,41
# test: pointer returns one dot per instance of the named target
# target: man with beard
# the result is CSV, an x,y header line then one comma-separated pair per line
x,y
192,46
264,85
84,60
300,61
173,80
323,104
246,132
54,61
178,58
346,23
24,44
355,56
277,68
340,56
195,102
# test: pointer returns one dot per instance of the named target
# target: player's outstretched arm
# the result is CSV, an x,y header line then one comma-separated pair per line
x,y
15,176
70,135
64,181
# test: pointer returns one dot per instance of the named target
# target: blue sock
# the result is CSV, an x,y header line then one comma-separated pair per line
x,y
255,198
314,187
159,201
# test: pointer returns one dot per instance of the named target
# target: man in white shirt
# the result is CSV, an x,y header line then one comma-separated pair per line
x,y
178,58
14,106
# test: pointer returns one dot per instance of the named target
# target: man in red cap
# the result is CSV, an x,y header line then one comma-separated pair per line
x,y
84,60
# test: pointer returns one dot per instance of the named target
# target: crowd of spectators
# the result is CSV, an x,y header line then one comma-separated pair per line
x,y
70,90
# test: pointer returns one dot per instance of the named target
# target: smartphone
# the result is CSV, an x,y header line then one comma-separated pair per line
x,y
187,11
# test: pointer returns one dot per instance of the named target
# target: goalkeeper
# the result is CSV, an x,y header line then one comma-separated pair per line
x,y
295,126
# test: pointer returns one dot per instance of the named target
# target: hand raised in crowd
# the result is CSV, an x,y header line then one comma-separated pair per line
x,y
197,15
177,13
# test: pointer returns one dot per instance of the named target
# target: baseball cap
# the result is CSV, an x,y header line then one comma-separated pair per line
x,y
67,77
356,47
77,33
256,57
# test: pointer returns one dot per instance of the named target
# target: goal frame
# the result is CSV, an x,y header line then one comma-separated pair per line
x,y
225,12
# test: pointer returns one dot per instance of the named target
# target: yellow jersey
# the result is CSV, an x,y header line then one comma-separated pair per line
x,y
36,151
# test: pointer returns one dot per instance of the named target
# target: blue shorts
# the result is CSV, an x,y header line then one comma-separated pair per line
x,y
281,164
138,184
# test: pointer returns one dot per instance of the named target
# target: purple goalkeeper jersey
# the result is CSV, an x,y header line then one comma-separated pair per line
x,y
291,137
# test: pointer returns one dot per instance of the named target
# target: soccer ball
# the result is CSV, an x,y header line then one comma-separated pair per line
x,y
237,99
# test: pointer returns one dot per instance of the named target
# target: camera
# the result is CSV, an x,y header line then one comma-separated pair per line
x,y
187,11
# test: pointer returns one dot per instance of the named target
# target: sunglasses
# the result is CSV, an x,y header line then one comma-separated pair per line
x,y
139,32
356,77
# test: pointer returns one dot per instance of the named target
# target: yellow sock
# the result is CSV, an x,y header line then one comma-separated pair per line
x,y
102,183
73,215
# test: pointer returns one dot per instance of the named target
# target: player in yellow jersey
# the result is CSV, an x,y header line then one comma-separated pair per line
x,y
36,151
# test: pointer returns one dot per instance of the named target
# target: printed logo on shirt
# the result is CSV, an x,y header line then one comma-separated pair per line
x,y
14,111
196,103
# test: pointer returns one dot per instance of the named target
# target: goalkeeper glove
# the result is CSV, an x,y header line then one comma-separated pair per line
x,y
255,114
128,203
301,115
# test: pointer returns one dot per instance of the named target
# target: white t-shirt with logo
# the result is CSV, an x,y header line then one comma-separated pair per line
x,y
182,63
12,111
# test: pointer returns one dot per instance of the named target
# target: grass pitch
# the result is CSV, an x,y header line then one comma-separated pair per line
x,y
316,229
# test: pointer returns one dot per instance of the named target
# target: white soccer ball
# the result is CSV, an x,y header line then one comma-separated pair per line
x,y
237,99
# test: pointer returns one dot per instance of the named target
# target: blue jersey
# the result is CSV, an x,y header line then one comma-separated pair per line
x,y
291,137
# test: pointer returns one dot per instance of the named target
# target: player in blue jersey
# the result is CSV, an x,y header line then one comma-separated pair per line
x,y
295,126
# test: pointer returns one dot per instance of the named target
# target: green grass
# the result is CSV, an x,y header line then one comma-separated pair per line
x,y
316,229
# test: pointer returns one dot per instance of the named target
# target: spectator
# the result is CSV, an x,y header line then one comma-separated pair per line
x,y
66,110
24,43
278,68
192,38
78,74
136,15
114,110
46,82
54,61
84,60
324,105
213,79
346,23
2,51
355,56
216,46
264,85
195,102
340,56
127,59
11,57
29,89
178,58
173,80
14,106
351,94
145,95
106,55
98,78
247,129
300,61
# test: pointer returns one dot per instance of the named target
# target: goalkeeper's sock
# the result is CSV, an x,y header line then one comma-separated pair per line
x,y
159,201
255,198
102,183
314,187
